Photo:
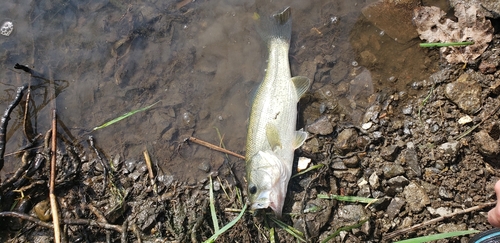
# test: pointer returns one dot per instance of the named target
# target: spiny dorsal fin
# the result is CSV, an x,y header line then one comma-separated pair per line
x,y
300,138
301,85
273,136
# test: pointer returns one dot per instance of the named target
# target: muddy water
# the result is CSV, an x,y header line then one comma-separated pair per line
x,y
200,59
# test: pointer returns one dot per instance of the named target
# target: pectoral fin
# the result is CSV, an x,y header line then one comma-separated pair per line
x,y
300,138
273,136
301,85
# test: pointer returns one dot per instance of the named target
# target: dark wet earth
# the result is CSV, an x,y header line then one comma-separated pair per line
x,y
387,120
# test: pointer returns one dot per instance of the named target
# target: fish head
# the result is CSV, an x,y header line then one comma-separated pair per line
x,y
267,179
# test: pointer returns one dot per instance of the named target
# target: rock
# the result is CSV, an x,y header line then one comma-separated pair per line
x,y
398,181
389,153
495,87
321,126
338,165
441,211
384,14
416,197
408,109
444,193
486,144
204,166
364,191
374,180
464,120
448,151
317,214
371,114
409,157
352,162
492,6
394,207
467,96
487,67
339,71
349,215
346,140
392,170
451,227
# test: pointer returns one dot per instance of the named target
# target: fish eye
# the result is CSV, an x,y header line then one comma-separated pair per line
x,y
252,189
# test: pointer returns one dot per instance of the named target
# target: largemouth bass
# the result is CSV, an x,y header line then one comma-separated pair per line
x,y
272,136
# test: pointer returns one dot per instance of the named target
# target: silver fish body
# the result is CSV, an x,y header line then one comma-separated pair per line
x,y
272,137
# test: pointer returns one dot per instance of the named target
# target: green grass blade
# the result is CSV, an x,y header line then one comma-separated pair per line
x,y
438,236
348,198
318,166
227,226
124,116
464,43
212,206
291,230
345,228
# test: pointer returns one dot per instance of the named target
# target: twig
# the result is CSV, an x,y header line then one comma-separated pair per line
x,y
52,196
88,222
137,232
214,147
105,166
150,171
432,221
123,237
5,120
26,217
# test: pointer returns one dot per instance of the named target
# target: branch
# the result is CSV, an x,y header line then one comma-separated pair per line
x,y
5,120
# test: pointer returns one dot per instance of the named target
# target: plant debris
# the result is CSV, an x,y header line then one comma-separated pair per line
x,y
471,26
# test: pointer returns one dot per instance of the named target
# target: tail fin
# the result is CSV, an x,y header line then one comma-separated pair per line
x,y
278,26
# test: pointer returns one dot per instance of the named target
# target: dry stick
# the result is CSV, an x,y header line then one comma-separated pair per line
x,y
5,120
214,147
150,171
414,227
87,222
52,196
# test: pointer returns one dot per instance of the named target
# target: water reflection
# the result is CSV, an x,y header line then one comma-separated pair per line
x,y
202,60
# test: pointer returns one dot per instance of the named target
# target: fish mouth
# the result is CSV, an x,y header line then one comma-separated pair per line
x,y
259,205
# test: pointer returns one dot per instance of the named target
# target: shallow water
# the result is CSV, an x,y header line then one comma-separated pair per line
x,y
200,59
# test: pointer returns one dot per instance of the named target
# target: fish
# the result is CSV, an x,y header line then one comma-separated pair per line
x,y
272,136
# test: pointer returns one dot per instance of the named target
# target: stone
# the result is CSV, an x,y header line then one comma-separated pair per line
x,y
444,193
346,140
467,96
389,153
384,14
374,180
398,181
394,207
416,197
486,144
321,126
392,170
409,157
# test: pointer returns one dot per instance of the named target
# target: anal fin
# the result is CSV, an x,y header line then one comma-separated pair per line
x,y
300,138
301,85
